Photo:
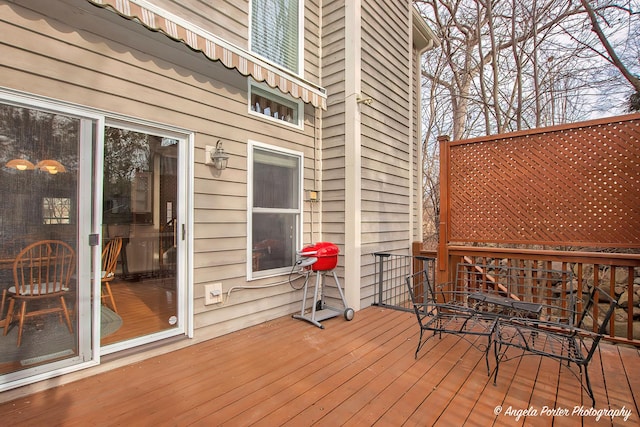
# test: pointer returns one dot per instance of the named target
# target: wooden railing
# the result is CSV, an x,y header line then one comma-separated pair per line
x,y
614,272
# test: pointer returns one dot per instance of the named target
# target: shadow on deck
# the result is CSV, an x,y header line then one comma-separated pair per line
x,y
288,372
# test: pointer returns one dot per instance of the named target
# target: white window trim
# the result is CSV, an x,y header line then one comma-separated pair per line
x,y
250,147
299,105
301,30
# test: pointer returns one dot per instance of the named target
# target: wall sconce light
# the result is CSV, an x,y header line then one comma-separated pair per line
x,y
218,158
51,166
20,164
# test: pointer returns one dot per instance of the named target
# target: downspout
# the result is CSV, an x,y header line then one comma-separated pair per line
x,y
353,160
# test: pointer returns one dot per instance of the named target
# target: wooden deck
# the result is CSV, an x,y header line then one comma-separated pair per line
x,y
288,372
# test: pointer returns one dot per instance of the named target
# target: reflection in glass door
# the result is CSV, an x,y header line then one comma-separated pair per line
x,y
44,266
139,289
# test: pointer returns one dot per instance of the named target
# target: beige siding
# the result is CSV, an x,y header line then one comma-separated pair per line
x,y
387,174
387,149
417,171
72,51
333,127
227,19
117,65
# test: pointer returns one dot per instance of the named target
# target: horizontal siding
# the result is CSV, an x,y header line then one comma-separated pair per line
x,y
116,65
227,19
333,127
312,40
386,148
386,178
416,153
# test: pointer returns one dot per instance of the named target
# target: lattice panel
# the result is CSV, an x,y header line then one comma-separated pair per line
x,y
569,186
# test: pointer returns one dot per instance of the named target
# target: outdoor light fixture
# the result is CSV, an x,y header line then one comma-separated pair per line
x,y
51,166
219,158
20,164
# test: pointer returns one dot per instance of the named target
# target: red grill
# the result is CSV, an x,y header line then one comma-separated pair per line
x,y
326,255
320,258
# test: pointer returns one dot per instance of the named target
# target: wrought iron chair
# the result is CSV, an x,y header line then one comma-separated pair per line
x,y
442,311
573,340
110,255
41,271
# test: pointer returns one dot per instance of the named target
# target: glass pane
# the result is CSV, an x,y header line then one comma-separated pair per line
x,y
38,236
274,31
275,180
274,106
274,237
139,217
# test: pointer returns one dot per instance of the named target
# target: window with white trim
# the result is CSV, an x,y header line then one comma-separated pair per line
x,y
266,103
276,31
275,209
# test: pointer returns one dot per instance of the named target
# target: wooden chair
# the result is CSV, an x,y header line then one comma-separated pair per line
x,y
41,271
110,255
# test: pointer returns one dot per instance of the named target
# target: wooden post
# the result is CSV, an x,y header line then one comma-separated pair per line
x,y
443,230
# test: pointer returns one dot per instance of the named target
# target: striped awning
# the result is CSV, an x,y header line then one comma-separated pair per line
x,y
216,49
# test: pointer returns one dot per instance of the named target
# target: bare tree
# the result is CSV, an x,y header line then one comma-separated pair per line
x,y
506,65
612,56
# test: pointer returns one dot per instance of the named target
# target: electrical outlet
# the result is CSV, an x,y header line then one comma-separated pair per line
x,y
212,293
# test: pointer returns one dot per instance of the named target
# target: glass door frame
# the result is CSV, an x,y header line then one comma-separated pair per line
x,y
184,222
91,124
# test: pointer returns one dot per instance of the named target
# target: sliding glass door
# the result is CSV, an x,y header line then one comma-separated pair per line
x,y
141,215
45,267
92,237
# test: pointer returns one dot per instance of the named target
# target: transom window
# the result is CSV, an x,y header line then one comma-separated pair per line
x,y
276,31
275,209
268,104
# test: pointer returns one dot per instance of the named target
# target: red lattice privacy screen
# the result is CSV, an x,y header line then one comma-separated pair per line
x,y
576,185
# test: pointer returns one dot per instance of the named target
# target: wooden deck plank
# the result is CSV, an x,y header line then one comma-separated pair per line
x,y
279,361
427,379
335,372
544,391
350,377
396,389
437,402
364,383
629,358
495,400
617,386
466,398
361,372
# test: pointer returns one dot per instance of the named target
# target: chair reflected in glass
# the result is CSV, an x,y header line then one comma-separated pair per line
x,y
110,255
41,271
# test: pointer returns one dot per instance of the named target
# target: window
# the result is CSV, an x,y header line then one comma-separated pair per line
x,y
275,31
275,209
56,210
268,104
